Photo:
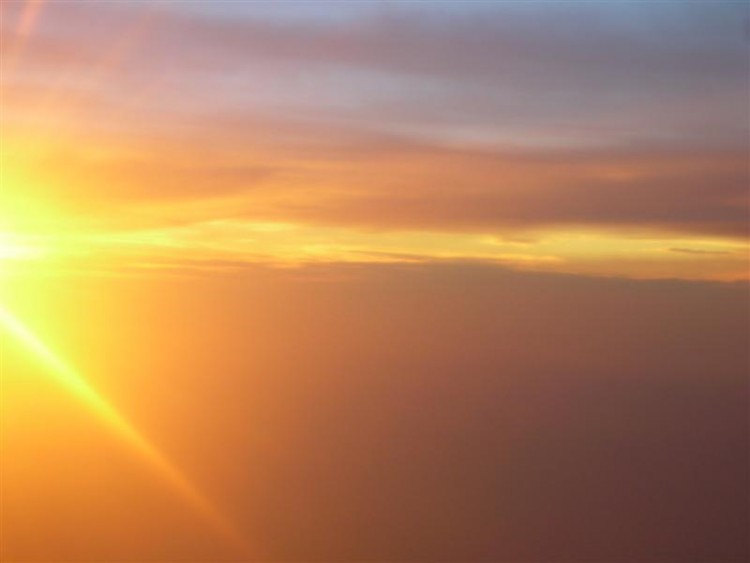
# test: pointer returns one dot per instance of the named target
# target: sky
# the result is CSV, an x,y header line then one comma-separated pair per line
x,y
374,280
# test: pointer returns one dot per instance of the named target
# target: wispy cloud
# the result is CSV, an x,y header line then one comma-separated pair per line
x,y
501,120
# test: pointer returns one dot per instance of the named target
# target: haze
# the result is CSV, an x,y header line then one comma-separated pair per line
x,y
374,281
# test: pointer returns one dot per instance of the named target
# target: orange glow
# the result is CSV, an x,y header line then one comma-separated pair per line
x,y
373,280
109,415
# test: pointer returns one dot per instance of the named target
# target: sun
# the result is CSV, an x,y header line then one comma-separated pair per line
x,y
13,247
29,226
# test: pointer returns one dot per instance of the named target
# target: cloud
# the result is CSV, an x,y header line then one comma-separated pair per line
x,y
608,72
700,252
439,189
343,178
403,412
504,120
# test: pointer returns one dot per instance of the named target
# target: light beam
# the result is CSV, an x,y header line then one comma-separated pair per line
x,y
77,384
26,23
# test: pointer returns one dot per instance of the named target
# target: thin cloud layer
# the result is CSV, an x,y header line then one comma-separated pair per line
x,y
582,64
502,119
370,184
398,413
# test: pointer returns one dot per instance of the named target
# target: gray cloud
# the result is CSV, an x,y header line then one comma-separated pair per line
x,y
612,73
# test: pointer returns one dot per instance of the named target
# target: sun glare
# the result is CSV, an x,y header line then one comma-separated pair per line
x,y
76,384
13,248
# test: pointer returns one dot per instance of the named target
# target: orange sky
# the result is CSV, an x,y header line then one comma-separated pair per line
x,y
373,281
176,128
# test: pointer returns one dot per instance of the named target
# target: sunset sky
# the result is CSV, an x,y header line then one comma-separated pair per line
x,y
374,281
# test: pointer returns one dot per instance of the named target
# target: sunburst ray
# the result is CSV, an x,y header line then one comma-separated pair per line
x,y
75,383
